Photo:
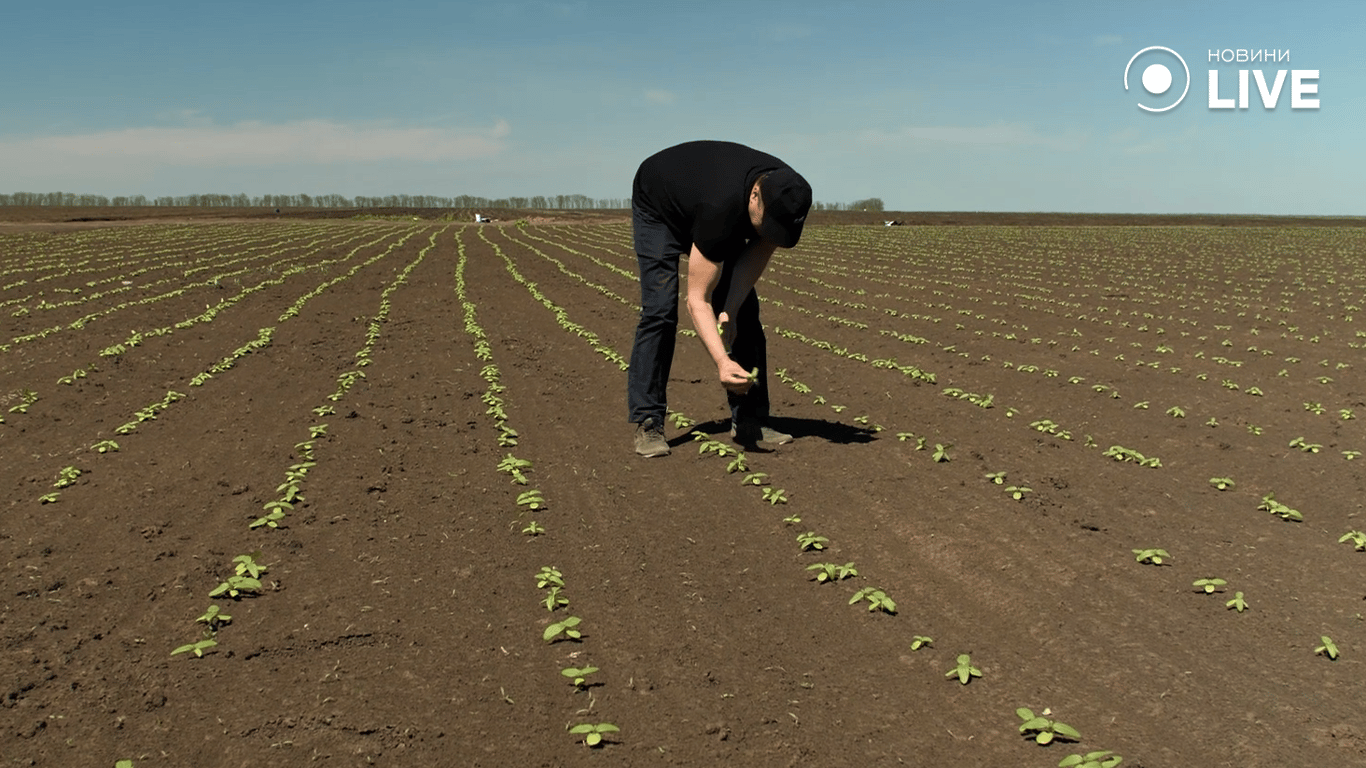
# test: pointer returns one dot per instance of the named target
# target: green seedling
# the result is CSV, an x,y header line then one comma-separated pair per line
x,y
1355,538
1143,405
755,478
1043,730
300,470
275,512
998,478
324,410
214,617
964,670
514,466
271,519
713,446
1018,492
289,491
1222,483
775,496
810,541
105,446
754,376
198,648
246,565
1210,585
832,572
553,599
569,627
531,500
66,477
533,528
737,464
316,431
1046,426
877,599
236,586
49,498
123,764
1328,648
1315,408
1306,447
1269,504
1254,429
1150,556
1350,455
579,675
904,436
592,734
1100,759
1213,422
921,641
680,421
941,452
792,519
549,577
1237,603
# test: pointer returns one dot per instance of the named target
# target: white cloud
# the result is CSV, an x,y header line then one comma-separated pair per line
x,y
203,144
659,96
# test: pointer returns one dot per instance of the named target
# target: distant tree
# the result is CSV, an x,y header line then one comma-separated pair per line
x,y
871,204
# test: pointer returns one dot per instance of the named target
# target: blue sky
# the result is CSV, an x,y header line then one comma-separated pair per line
x,y
983,106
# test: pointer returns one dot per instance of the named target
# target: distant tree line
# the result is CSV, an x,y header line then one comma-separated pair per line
x,y
313,201
870,204
69,199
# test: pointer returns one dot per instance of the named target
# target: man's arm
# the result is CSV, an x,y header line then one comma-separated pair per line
x,y
703,276
751,265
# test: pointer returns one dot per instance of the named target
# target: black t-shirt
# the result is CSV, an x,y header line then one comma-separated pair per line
x,y
700,191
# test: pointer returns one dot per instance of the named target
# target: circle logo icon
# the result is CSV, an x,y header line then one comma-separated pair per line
x,y
1157,78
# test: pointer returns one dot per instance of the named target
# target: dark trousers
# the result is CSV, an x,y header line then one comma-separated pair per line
x,y
657,253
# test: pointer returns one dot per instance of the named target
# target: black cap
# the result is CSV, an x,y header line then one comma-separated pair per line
x,y
787,199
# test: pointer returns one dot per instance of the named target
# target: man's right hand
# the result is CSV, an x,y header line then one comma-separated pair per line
x,y
734,378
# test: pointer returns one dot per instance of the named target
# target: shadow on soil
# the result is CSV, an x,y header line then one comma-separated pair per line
x,y
829,431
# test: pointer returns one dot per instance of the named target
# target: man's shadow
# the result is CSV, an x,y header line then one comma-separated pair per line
x,y
823,429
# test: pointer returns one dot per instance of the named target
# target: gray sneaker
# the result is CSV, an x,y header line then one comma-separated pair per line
x,y
650,438
751,432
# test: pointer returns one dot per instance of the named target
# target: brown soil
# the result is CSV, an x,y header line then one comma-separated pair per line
x,y
400,623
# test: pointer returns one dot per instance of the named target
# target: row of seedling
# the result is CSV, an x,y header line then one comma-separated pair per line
x,y
245,580
549,579
561,316
290,489
247,569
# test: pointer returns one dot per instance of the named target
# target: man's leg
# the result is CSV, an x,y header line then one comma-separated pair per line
x,y
653,351
748,412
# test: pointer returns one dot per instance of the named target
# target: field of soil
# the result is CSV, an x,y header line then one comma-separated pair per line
x,y
343,408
